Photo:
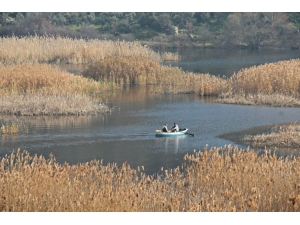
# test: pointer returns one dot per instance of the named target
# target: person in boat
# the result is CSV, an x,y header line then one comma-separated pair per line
x,y
175,128
165,128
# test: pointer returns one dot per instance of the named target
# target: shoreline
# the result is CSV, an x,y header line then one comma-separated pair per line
x,y
265,130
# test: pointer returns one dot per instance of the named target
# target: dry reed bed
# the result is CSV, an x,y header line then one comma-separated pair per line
x,y
281,136
219,179
273,100
45,79
138,70
55,49
274,84
40,89
53,105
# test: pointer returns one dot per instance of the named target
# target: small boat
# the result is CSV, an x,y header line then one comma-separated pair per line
x,y
160,133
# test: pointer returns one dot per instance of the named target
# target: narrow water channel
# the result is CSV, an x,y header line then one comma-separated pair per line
x,y
128,133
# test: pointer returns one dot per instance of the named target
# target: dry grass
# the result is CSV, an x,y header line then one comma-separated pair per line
x,y
50,49
219,179
143,71
283,136
13,129
273,84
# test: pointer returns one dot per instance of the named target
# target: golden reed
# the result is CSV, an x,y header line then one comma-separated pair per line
x,y
281,136
56,49
214,180
139,70
12,129
40,89
274,84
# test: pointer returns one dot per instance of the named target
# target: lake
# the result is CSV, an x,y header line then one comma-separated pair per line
x,y
128,133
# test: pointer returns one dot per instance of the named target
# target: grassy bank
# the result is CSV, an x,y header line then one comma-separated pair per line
x,y
55,49
219,179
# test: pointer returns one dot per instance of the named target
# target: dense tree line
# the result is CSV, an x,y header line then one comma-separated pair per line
x,y
222,29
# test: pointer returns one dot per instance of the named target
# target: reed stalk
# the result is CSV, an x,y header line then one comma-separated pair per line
x,y
12,129
281,136
273,84
56,49
136,70
212,180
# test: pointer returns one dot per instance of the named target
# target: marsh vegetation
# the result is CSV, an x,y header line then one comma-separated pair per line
x,y
214,180
281,136
13,129
40,89
217,179
272,84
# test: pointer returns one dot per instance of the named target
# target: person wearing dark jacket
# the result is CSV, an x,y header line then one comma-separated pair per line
x,y
175,128
165,128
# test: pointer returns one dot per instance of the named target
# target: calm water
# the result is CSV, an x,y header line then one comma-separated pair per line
x,y
127,134
226,62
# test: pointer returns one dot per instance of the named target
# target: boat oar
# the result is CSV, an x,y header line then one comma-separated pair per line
x,y
190,134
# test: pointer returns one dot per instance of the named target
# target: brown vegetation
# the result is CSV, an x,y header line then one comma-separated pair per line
x,y
12,129
45,79
54,104
41,89
275,84
281,136
55,49
143,71
219,179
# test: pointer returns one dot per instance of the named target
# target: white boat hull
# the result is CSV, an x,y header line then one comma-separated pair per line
x,y
181,132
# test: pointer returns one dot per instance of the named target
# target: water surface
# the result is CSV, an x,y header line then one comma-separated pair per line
x,y
128,133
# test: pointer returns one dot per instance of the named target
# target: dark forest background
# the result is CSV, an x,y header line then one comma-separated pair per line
x,y
202,29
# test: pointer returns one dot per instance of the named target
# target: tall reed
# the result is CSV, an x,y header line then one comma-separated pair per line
x,y
40,89
144,71
281,77
46,79
51,104
12,129
216,179
275,84
56,49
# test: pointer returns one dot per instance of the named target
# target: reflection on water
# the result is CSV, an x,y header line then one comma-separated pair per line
x,y
171,144
222,62
226,62
128,134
